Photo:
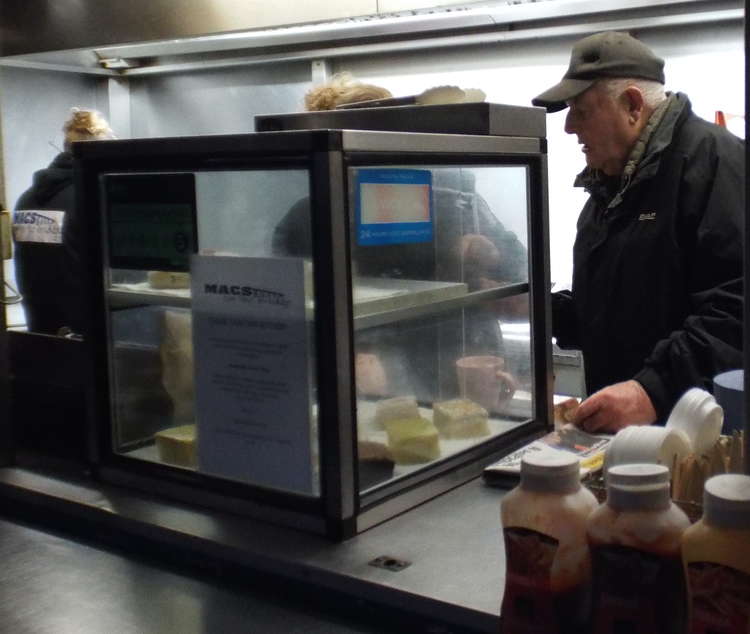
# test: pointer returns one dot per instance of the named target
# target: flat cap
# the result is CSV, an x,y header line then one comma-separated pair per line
x,y
607,54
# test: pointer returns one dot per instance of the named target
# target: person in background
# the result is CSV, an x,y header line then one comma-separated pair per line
x,y
49,236
470,245
656,299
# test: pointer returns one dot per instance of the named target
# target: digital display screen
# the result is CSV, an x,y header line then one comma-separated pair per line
x,y
389,203
151,221
394,206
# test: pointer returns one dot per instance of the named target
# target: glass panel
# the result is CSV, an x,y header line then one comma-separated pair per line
x,y
443,356
212,233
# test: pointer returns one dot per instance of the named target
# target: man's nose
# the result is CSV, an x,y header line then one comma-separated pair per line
x,y
569,123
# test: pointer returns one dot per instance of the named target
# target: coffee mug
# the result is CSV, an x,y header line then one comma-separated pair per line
x,y
483,379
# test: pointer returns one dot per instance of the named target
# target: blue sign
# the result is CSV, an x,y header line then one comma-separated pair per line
x,y
393,206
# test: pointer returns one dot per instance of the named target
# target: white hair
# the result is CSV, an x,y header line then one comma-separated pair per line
x,y
653,91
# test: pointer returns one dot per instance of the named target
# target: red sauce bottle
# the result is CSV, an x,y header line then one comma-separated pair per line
x,y
548,569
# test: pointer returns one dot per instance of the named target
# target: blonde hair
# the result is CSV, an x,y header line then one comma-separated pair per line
x,y
85,125
342,89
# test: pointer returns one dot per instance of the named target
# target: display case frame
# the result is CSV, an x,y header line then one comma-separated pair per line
x,y
340,511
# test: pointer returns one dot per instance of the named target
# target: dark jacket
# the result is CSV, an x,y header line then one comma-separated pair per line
x,y
657,273
49,275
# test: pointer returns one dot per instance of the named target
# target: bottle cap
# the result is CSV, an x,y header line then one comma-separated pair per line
x,y
726,501
638,487
551,472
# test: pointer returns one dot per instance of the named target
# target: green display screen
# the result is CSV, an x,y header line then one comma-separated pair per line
x,y
151,221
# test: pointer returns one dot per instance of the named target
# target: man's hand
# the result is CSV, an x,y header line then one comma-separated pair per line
x,y
614,407
478,254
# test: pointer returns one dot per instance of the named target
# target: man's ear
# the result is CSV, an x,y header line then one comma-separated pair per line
x,y
635,103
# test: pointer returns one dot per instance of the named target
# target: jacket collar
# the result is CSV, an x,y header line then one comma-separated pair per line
x,y
64,160
644,158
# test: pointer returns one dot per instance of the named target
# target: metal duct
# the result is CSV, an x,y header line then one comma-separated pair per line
x,y
370,34
54,25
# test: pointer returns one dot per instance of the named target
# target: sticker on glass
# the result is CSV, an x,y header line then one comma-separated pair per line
x,y
394,206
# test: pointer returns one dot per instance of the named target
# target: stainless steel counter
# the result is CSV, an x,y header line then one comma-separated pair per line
x,y
55,585
453,546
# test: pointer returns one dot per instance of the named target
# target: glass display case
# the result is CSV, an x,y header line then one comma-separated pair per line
x,y
321,328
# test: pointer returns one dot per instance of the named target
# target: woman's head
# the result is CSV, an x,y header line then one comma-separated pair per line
x,y
85,125
342,89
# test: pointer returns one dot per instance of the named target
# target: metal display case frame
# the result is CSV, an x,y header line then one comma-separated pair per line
x,y
340,511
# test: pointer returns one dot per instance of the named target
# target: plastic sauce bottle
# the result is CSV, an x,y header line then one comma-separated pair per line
x,y
635,539
548,572
716,554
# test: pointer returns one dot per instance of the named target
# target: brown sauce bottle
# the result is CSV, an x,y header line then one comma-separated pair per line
x,y
635,539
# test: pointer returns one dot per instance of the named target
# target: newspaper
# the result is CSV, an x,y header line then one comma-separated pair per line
x,y
589,448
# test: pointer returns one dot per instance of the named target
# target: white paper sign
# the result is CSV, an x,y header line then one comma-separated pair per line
x,y
40,225
252,384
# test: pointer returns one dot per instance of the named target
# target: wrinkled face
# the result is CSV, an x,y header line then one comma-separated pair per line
x,y
604,128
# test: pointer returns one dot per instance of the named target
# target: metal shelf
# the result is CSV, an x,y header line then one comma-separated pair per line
x,y
439,306
131,295
399,300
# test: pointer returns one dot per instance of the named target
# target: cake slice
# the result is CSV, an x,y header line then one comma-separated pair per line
x,y
168,279
412,440
398,407
461,418
565,410
375,463
177,445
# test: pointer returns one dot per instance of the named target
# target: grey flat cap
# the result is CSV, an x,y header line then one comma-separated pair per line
x,y
608,54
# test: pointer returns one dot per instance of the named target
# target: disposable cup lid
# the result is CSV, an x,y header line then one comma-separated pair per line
x,y
647,444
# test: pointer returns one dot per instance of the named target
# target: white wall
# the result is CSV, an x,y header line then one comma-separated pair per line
x,y
34,105
221,101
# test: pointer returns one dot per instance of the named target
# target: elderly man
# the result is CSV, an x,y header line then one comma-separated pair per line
x,y
656,301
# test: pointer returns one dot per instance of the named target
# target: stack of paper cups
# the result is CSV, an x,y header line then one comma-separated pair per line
x,y
651,444
729,390
700,417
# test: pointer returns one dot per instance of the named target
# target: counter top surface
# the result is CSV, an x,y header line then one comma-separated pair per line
x,y
57,585
452,543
